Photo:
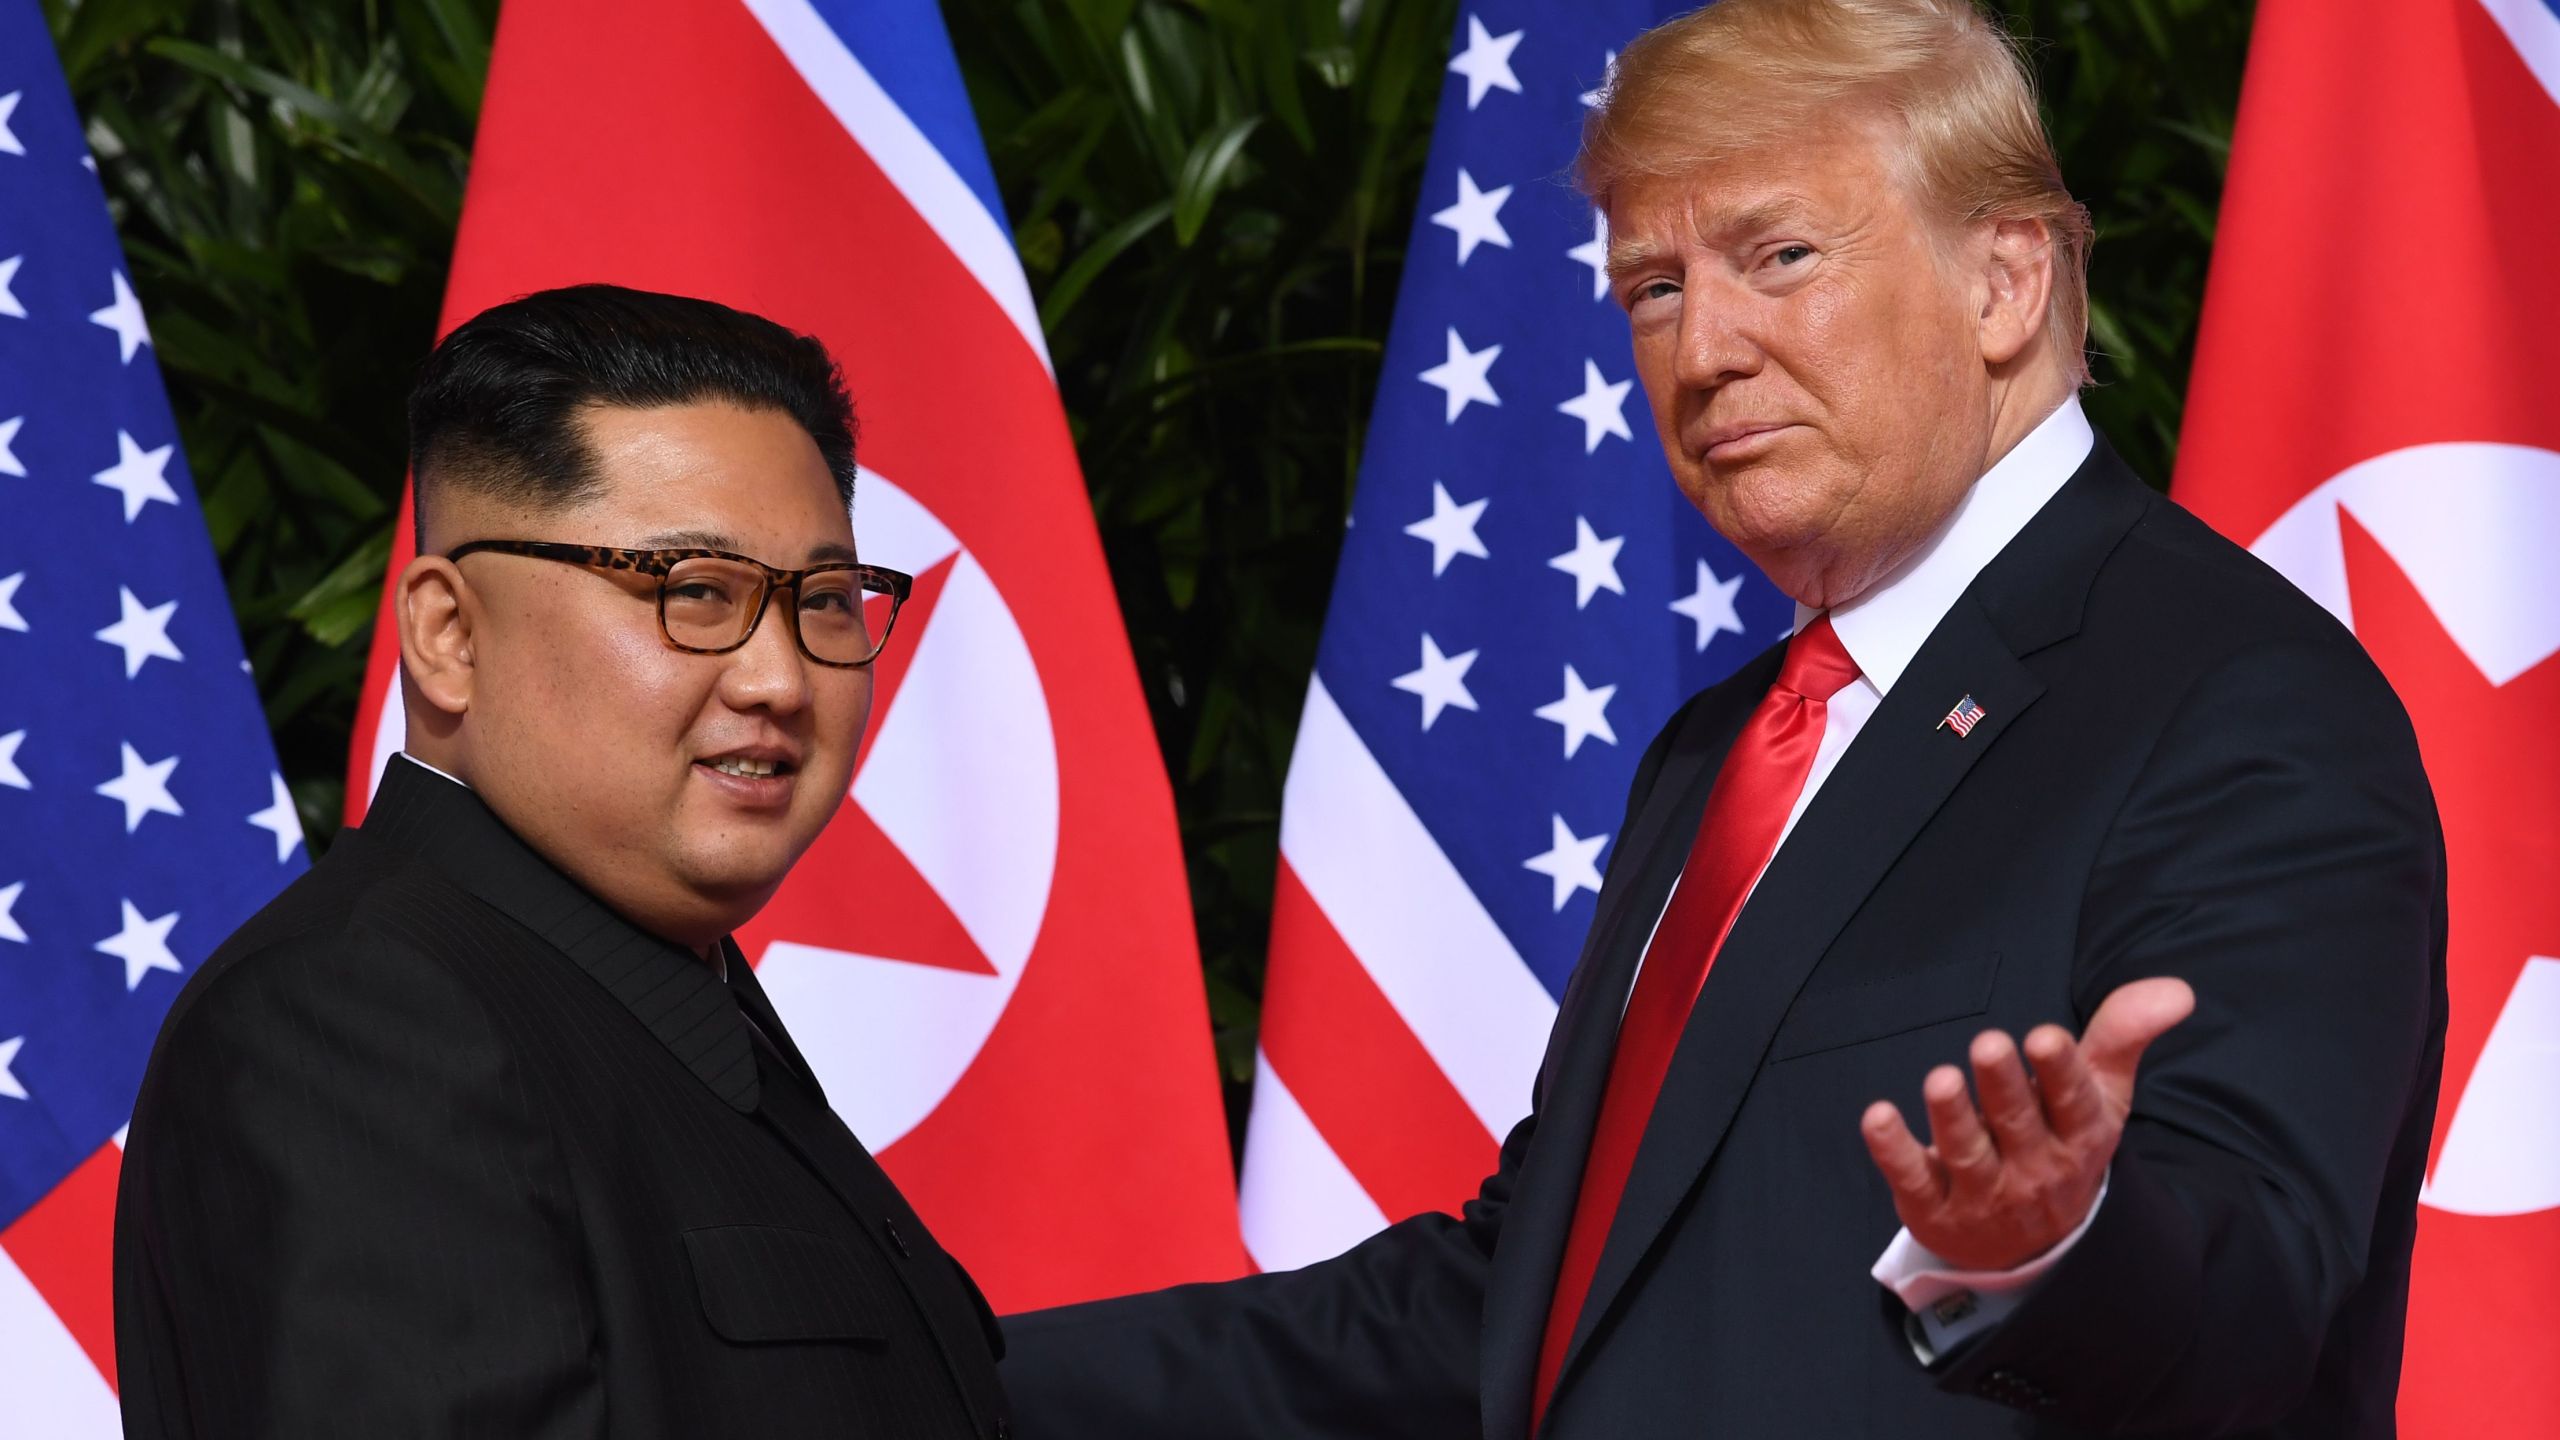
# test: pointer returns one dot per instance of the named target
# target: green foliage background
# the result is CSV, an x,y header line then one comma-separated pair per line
x,y
1211,197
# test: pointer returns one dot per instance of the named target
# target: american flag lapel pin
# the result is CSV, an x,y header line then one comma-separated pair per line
x,y
1963,718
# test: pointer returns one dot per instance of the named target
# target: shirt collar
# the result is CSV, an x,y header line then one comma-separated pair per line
x,y
432,770
1885,627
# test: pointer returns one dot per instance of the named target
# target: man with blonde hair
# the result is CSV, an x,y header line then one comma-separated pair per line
x,y
2044,756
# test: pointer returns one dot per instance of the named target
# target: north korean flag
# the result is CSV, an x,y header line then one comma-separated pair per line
x,y
2376,411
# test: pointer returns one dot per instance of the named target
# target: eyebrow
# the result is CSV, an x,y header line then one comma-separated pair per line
x,y
1629,256
819,553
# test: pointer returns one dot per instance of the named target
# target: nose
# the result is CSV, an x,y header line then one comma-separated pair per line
x,y
768,672
1714,347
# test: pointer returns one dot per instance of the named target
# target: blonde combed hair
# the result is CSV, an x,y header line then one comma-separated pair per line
x,y
1739,73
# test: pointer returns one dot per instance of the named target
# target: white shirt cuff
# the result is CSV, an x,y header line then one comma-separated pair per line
x,y
1950,1306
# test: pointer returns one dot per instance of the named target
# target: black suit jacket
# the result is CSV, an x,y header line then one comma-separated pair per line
x,y
439,1145
2186,768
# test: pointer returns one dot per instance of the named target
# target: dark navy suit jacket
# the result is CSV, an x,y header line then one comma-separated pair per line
x,y
2187,768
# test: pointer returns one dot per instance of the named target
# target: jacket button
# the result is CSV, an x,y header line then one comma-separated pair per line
x,y
1003,1430
890,1226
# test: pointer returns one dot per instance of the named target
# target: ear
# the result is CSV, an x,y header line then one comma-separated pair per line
x,y
432,605
2017,286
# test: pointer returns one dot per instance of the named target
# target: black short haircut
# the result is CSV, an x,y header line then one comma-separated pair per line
x,y
495,409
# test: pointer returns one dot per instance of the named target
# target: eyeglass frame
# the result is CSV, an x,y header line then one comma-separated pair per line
x,y
661,563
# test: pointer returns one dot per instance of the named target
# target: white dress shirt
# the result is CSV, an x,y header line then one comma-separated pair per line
x,y
432,770
1882,630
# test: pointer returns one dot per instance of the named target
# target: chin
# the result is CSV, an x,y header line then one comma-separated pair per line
x,y
1762,514
735,882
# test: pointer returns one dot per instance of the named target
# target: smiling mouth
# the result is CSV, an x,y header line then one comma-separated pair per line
x,y
747,769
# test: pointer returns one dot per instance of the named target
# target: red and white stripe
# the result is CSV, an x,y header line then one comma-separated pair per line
x,y
57,1317
1400,1028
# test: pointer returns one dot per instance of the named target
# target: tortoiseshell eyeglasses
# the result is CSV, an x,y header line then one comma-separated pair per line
x,y
710,601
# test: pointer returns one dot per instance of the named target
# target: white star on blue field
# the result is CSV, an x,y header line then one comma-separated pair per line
x,y
142,817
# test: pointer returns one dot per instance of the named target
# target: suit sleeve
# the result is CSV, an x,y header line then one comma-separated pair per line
x,y
341,1215
1378,1343
2280,852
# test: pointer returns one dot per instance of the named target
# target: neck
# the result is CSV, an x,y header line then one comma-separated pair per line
x,y
2021,403
2014,406
432,739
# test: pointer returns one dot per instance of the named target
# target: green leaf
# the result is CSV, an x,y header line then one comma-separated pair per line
x,y
2214,140
342,603
456,63
2108,336
315,475
1336,65
348,132
87,32
2197,215
260,80
1090,263
1204,172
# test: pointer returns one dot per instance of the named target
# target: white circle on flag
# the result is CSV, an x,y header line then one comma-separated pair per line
x,y
2470,524
962,777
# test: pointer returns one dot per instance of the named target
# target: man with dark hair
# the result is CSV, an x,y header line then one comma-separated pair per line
x,y
484,1126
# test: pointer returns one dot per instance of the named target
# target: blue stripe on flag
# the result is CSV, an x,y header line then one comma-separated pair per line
x,y
908,51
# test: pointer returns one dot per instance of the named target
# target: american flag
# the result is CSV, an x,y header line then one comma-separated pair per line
x,y
1966,714
141,813
1523,599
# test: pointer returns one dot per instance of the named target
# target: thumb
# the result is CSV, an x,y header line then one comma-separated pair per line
x,y
2127,1022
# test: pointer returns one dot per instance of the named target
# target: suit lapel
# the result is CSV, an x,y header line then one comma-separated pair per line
x,y
1891,781
794,1109
804,1122
1570,1083
752,999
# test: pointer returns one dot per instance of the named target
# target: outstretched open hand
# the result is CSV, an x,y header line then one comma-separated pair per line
x,y
2000,1185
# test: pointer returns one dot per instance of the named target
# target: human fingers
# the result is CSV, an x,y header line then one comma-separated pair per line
x,y
1964,1146
2127,1021
2073,1106
2009,1104
1919,1184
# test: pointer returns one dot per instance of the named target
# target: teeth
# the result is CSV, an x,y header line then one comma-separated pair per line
x,y
754,769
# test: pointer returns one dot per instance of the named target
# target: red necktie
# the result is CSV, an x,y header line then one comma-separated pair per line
x,y
1755,791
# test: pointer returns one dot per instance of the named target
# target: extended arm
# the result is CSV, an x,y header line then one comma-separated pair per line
x,y
1377,1342
1380,1341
